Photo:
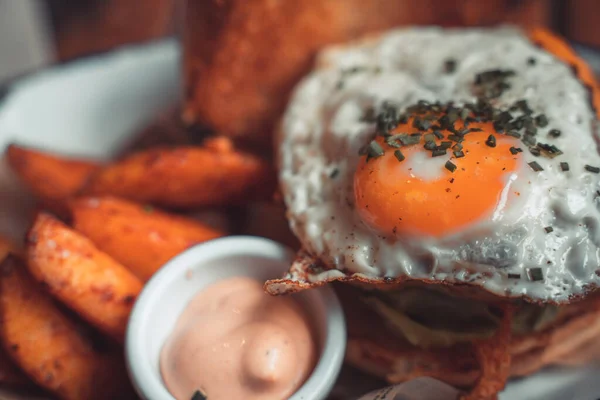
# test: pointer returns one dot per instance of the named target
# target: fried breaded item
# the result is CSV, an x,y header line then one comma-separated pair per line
x,y
51,178
87,280
242,58
49,347
187,177
140,237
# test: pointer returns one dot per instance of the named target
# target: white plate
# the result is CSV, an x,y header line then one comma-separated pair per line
x,y
91,108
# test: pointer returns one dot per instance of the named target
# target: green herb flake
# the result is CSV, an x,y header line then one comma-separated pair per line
x,y
438,152
458,154
535,274
438,134
430,146
399,156
514,276
515,150
531,61
535,151
529,140
450,66
333,174
393,141
564,166
445,145
594,170
457,147
429,137
549,229
541,120
491,141
464,113
374,150
535,166
199,395
554,133
450,166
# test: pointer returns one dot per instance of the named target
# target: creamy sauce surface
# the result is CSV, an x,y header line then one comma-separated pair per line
x,y
233,341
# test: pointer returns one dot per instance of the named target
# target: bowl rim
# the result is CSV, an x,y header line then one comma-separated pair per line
x,y
142,374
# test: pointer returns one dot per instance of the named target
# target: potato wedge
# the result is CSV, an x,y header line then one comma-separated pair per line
x,y
87,280
51,178
139,237
186,177
48,346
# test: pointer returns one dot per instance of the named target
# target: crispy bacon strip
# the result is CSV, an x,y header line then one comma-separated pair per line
x,y
494,361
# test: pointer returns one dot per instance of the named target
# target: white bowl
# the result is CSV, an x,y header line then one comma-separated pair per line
x,y
165,296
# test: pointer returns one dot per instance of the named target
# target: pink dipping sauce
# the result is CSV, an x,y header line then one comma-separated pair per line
x,y
233,341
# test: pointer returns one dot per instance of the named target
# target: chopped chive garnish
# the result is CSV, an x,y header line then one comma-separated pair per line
x,y
531,130
535,166
446,145
464,113
514,134
374,150
535,151
541,120
564,166
399,156
529,140
514,276
531,61
491,141
198,395
455,138
554,133
548,229
589,168
438,152
450,166
393,141
334,173
430,146
535,274
458,154
429,137
515,150
438,134
450,65
457,147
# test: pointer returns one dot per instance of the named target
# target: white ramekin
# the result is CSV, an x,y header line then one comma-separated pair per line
x,y
169,291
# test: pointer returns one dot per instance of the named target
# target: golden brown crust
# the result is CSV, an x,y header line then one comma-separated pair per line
x,y
307,272
242,58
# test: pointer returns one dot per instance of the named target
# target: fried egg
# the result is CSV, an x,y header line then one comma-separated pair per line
x,y
455,155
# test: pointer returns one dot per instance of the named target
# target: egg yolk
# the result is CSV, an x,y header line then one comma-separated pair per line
x,y
394,198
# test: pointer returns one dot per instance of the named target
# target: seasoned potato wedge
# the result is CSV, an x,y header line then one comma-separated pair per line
x,y
84,278
139,237
51,178
186,177
49,347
